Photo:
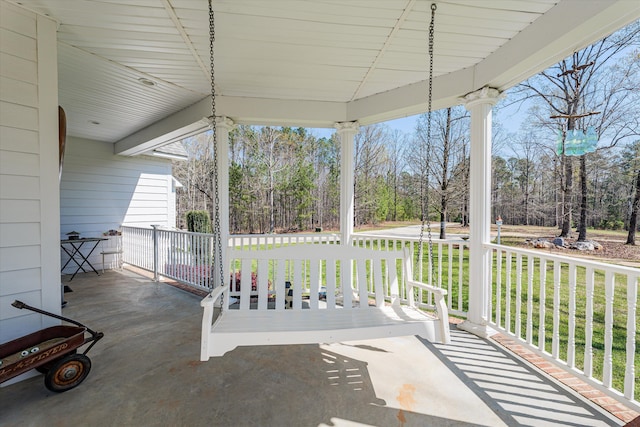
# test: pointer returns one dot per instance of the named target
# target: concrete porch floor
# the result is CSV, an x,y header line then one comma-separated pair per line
x,y
146,372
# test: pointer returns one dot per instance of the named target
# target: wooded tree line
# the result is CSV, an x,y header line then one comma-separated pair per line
x,y
284,179
287,179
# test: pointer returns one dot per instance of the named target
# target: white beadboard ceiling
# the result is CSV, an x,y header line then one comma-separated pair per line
x,y
298,62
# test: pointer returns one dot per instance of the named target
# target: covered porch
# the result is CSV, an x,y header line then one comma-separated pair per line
x,y
150,88
146,372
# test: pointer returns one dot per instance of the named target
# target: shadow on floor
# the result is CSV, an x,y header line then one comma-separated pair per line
x,y
517,392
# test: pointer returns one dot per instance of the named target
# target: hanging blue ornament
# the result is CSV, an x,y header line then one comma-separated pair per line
x,y
570,143
580,138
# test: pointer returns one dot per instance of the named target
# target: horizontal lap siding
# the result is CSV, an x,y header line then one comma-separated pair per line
x,y
101,191
28,170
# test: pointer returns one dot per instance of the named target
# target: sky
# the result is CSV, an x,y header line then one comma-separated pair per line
x,y
405,124
511,118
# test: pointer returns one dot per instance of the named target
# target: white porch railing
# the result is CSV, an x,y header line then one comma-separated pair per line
x,y
137,247
577,313
252,242
180,255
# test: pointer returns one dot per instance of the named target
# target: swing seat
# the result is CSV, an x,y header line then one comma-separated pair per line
x,y
282,292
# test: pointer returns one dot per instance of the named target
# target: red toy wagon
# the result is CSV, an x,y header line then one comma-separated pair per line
x,y
52,351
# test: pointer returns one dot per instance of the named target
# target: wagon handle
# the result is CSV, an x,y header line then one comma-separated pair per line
x,y
95,336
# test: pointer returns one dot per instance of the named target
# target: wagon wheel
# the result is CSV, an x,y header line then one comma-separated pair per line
x,y
67,373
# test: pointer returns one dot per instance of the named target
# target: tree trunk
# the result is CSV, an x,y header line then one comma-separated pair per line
x,y
527,194
395,194
443,224
567,190
272,218
555,193
582,226
633,220
444,179
566,196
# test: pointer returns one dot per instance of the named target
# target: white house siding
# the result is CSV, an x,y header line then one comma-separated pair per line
x,y
29,192
101,191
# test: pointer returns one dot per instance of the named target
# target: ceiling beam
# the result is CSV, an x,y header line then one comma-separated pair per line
x,y
254,111
175,127
405,12
183,33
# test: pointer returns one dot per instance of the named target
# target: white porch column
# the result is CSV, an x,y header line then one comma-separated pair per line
x,y
479,104
347,132
224,125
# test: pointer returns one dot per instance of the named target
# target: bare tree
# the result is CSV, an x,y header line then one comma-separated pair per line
x,y
194,175
396,147
369,157
635,208
526,151
591,88
632,156
446,151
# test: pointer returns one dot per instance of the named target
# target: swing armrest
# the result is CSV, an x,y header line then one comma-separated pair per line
x,y
207,319
215,294
207,303
440,305
439,291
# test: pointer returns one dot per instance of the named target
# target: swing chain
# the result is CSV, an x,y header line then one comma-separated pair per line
x,y
425,207
217,253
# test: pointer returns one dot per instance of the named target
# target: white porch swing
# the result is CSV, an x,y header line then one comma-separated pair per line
x,y
354,293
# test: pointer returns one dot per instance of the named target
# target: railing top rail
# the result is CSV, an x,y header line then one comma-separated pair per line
x,y
621,269
410,238
318,252
273,235
167,230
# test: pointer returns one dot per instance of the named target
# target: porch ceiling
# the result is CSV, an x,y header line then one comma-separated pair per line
x,y
298,62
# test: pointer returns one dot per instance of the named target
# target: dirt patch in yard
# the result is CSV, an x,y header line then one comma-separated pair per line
x,y
613,248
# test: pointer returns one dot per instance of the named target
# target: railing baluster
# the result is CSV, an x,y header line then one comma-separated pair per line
x,y
440,257
490,286
460,275
450,276
607,367
420,261
430,267
507,308
555,343
155,253
530,265
629,373
542,299
518,295
588,327
571,343
498,317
